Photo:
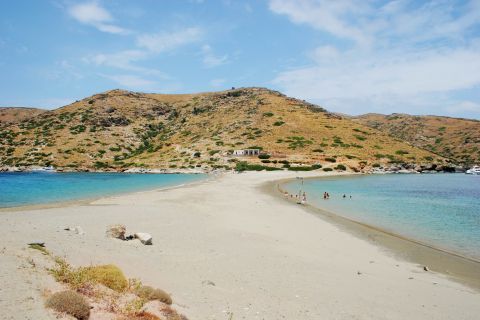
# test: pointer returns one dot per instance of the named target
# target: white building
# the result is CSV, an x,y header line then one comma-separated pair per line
x,y
246,152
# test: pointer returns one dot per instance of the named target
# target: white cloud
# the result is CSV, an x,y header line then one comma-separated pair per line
x,y
464,106
132,81
217,83
210,59
91,13
399,56
325,15
166,41
147,46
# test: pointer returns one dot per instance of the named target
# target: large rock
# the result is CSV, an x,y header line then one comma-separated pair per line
x,y
116,231
144,238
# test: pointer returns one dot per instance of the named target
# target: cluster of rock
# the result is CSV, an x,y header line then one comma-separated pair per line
x,y
417,168
118,231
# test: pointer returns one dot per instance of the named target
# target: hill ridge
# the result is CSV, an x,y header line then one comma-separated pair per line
x,y
120,129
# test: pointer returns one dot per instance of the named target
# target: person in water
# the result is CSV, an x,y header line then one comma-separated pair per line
x,y
344,196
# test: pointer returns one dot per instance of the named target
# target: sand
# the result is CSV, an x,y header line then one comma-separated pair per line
x,y
228,249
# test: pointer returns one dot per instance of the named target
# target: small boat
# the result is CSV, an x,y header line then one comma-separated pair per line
x,y
44,169
474,170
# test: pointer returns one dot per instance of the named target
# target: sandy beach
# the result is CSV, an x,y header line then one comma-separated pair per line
x,y
230,248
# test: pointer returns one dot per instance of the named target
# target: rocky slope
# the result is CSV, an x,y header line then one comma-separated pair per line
x,y
117,130
458,139
9,115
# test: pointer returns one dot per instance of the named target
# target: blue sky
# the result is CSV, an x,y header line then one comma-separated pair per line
x,y
355,57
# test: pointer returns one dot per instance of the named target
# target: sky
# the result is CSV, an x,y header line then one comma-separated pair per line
x,y
349,56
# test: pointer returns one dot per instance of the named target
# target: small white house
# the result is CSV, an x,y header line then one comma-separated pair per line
x,y
246,152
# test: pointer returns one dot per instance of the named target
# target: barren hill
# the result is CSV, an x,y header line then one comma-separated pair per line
x,y
454,138
119,129
13,114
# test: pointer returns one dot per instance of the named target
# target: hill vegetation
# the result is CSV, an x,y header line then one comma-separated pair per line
x,y
11,115
117,130
454,138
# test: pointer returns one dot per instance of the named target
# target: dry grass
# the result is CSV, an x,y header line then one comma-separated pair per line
x,y
82,278
142,315
148,293
109,275
40,248
69,302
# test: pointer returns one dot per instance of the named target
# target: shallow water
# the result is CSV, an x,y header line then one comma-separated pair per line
x,y
442,210
29,188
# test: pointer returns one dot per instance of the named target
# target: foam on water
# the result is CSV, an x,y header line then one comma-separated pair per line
x,y
442,210
18,189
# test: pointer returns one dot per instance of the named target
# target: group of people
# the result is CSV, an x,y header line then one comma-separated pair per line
x,y
302,198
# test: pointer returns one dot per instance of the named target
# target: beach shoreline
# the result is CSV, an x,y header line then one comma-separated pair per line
x,y
458,267
89,200
230,247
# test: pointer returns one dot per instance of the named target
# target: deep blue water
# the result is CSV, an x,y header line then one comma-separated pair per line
x,y
18,189
442,210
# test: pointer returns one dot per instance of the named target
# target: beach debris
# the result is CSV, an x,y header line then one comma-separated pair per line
x,y
40,244
144,238
425,268
116,231
79,230
76,229
359,273
208,283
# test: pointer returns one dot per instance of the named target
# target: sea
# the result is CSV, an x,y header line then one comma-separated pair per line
x,y
440,210
32,188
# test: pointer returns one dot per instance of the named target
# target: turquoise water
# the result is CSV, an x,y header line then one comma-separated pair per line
x,y
18,189
442,210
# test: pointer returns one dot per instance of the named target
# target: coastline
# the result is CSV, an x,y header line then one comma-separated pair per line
x,y
458,267
89,200
224,248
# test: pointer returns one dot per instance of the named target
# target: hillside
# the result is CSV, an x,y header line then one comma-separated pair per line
x,y
12,114
458,139
118,129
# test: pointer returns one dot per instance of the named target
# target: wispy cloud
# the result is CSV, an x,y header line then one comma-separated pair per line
x,y
217,83
166,41
132,81
210,59
464,106
147,46
92,14
385,56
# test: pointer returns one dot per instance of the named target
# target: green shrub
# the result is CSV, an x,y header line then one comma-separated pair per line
x,y
376,165
317,150
245,166
401,152
268,114
331,159
278,123
100,165
264,156
428,158
359,137
340,167
212,152
327,169
148,293
305,168
71,303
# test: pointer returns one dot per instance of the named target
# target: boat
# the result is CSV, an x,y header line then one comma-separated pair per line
x,y
44,169
474,170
